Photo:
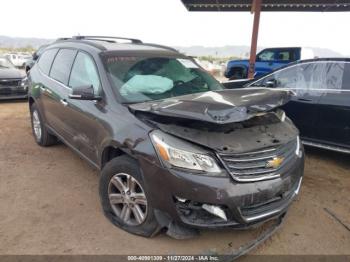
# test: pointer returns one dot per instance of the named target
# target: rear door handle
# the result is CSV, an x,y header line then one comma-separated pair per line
x,y
64,102
305,99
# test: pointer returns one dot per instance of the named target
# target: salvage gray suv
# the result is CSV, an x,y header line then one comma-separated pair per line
x,y
175,149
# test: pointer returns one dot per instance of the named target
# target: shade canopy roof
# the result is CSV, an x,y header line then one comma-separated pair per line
x,y
269,5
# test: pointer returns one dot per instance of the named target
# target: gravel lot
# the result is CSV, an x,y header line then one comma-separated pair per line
x,y
49,205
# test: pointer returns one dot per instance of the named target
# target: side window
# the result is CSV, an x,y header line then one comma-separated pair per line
x,y
84,73
283,56
310,79
334,75
284,78
266,56
346,77
46,59
62,65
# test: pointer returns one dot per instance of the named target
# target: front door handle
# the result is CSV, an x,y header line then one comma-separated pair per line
x,y
64,102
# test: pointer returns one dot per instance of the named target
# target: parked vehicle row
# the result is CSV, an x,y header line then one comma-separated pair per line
x,y
176,150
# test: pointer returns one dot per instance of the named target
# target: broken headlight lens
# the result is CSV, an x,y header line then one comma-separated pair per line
x,y
175,152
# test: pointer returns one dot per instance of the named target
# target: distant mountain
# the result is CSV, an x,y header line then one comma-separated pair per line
x,y
20,42
222,51
241,51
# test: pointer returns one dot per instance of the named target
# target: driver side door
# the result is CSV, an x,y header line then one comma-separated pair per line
x,y
264,62
84,115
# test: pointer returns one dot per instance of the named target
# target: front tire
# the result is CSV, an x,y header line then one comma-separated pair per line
x,y
41,134
124,199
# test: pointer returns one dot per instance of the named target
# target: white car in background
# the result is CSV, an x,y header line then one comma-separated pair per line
x,y
18,60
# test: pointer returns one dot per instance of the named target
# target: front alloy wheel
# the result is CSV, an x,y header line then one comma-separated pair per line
x,y
127,199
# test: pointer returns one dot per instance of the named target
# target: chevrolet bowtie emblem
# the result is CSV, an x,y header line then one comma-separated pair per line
x,y
275,162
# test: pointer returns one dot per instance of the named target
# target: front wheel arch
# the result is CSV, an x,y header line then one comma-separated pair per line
x,y
110,152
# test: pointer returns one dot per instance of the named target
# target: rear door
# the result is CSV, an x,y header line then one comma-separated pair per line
x,y
334,107
58,91
45,85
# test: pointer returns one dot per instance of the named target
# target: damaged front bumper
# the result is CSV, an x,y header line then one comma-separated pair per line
x,y
181,196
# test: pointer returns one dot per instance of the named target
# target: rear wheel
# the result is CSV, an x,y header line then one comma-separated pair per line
x,y
124,199
40,132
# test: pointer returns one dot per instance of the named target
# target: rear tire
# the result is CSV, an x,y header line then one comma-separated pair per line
x,y
122,188
41,134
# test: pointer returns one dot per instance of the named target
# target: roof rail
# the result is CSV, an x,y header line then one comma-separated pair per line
x,y
92,37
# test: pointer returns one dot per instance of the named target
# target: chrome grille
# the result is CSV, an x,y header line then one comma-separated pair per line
x,y
10,82
254,166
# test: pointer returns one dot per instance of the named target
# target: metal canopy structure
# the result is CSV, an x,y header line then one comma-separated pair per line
x,y
256,6
269,5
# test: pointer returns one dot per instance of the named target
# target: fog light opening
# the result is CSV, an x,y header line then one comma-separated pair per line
x,y
215,210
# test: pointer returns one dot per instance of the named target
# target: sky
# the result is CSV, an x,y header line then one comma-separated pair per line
x,y
168,22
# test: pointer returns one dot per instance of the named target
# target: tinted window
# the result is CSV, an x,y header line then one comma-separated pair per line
x,y
46,59
346,76
84,73
334,75
62,65
285,78
303,78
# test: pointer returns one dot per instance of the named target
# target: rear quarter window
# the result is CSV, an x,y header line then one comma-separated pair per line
x,y
62,65
46,59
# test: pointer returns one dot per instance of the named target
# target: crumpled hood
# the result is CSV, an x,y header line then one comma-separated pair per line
x,y
6,73
219,107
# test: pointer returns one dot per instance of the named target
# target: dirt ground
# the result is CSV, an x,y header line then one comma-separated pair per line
x,y
49,204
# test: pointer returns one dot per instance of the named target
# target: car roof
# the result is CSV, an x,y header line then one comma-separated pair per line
x,y
109,44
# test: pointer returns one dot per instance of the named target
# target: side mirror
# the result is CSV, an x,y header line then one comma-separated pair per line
x,y
270,83
35,56
84,93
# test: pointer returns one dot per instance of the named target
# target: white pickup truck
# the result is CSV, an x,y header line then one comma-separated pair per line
x,y
18,60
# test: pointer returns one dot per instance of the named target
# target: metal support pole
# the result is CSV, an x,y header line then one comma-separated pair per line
x,y
256,8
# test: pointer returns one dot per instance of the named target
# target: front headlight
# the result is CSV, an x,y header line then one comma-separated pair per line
x,y
175,152
24,82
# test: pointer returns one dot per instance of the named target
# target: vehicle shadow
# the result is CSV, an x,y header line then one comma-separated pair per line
x,y
11,101
341,159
